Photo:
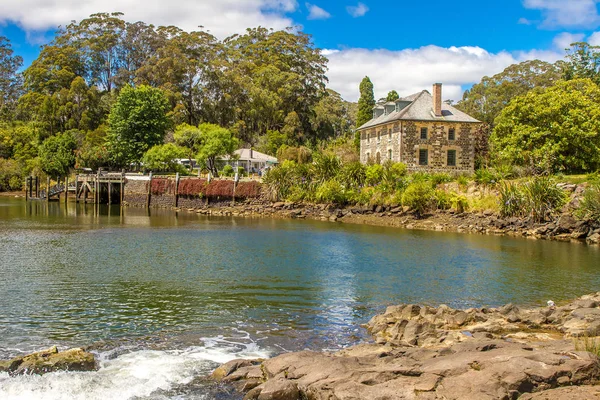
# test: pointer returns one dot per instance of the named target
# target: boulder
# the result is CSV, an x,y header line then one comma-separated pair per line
x,y
50,360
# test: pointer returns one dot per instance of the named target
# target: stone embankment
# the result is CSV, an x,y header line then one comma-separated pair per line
x,y
441,353
565,227
50,360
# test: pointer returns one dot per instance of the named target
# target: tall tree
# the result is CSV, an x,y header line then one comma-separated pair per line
x,y
137,122
486,99
557,129
216,142
583,61
366,102
57,154
10,80
392,96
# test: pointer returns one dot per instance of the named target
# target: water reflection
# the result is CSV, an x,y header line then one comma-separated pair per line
x,y
77,273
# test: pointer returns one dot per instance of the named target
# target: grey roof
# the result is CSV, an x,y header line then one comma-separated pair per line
x,y
420,109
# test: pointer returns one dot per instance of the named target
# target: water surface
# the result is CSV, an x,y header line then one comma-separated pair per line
x,y
168,295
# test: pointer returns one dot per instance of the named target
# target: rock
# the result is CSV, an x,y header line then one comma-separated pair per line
x,y
279,389
566,223
50,360
565,393
278,205
594,238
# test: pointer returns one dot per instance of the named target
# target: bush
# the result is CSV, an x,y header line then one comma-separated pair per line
x,y
539,198
440,177
11,175
330,192
325,166
241,171
512,201
374,174
227,171
420,197
352,175
247,190
192,187
488,176
590,204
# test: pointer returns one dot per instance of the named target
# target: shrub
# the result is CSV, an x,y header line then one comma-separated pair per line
x,y
512,201
420,197
247,190
330,192
352,175
544,198
227,171
162,186
487,176
374,174
325,166
192,187
462,180
440,177
590,204
241,171
219,189
443,200
11,175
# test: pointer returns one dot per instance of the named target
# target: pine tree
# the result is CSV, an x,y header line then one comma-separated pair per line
x,y
366,102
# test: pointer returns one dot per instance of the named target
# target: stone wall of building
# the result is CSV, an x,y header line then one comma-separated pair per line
x,y
405,142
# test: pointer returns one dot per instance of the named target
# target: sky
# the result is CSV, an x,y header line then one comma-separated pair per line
x,y
404,45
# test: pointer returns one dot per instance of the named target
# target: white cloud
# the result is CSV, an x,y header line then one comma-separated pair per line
x,y
594,39
524,21
221,18
412,70
358,10
316,12
566,13
563,40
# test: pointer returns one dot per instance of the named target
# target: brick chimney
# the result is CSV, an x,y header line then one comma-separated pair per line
x,y
437,99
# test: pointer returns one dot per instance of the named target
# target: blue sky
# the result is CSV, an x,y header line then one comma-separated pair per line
x,y
402,45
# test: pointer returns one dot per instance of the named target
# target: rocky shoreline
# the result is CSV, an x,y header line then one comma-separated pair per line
x,y
564,228
422,352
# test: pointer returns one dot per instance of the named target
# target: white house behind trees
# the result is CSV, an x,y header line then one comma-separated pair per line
x,y
251,160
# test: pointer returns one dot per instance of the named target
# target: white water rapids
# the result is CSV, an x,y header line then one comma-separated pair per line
x,y
144,374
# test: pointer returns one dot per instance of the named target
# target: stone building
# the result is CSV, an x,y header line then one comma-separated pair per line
x,y
422,132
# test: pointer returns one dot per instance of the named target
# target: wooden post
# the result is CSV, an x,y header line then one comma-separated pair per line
x,y
37,187
122,187
109,192
47,189
149,193
177,189
76,188
27,186
66,188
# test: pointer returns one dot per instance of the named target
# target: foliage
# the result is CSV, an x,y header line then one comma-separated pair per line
x,y
374,174
590,203
486,100
219,189
420,197
192,187
330,192
216,142
161,186
227,170
392,96
10,79
538,198
325,167
488,176
352,175
188,137
557,128
301,155
137,122
366,102
11,175
57,154
583,62
247,190
163,158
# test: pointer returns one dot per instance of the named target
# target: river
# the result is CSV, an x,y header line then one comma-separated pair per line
x,y
163,297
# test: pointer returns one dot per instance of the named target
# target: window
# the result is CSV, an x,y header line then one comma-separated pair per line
x,y
423,157
368,137
368,157
451,159
378,159
423,133
379,137
389,154
389,135
451,134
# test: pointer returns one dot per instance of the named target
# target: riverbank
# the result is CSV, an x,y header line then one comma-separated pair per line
x,y
422,352
564,227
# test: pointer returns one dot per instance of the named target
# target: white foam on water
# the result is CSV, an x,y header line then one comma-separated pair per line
x,y
138,374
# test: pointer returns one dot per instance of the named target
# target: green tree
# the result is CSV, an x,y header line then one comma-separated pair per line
x,y
488,98
392,96
366,102
137,122
163,157
57,154
190,138
10,79
216,142
583,61
557,128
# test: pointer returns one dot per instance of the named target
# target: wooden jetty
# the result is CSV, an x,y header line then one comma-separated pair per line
x,y
102,188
